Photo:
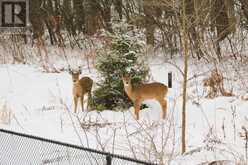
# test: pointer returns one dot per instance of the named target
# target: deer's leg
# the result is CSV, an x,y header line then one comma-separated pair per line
x,y
137,104
89,99
82,102
75,103
222,89
163,104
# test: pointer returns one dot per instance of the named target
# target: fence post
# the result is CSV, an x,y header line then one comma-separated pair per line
x,y
108,159
170,80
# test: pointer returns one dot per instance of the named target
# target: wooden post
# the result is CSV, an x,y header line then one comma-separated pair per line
x,y
170,80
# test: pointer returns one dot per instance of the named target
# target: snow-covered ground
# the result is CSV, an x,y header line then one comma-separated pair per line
x,y
39,103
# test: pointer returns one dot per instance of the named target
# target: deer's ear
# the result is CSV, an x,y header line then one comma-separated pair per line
x,y
127,75
124,76
80,70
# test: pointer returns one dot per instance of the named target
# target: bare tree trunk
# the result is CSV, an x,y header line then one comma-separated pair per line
x,y
152,12
36,18
150,38
118,7
106,15
185,53
79,15
67,17
92,17
56,7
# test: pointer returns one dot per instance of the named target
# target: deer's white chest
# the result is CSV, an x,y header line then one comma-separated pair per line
x,y
77,90
128,91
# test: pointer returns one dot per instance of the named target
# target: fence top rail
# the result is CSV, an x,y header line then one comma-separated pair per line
x,y
75,147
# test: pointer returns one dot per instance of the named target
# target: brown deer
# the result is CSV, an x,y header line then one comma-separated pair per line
x,y
80,88
141,92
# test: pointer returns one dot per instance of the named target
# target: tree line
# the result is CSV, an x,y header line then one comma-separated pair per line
x,y
206,19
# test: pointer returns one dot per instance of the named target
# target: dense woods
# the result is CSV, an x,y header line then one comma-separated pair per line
x,y
209,22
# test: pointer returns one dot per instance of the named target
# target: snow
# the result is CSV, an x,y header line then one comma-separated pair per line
x,y
39,103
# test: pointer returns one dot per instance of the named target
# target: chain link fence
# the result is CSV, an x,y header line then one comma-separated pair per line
x,y
17,148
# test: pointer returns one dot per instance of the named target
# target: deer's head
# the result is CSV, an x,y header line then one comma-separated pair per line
x,y
75,74
126,79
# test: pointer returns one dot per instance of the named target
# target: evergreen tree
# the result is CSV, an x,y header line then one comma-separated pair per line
x,y
123,57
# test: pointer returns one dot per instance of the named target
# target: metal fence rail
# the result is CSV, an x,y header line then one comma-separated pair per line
x,y
17,148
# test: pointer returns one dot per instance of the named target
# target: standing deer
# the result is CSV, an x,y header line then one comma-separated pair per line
x,y
141,92
80,88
